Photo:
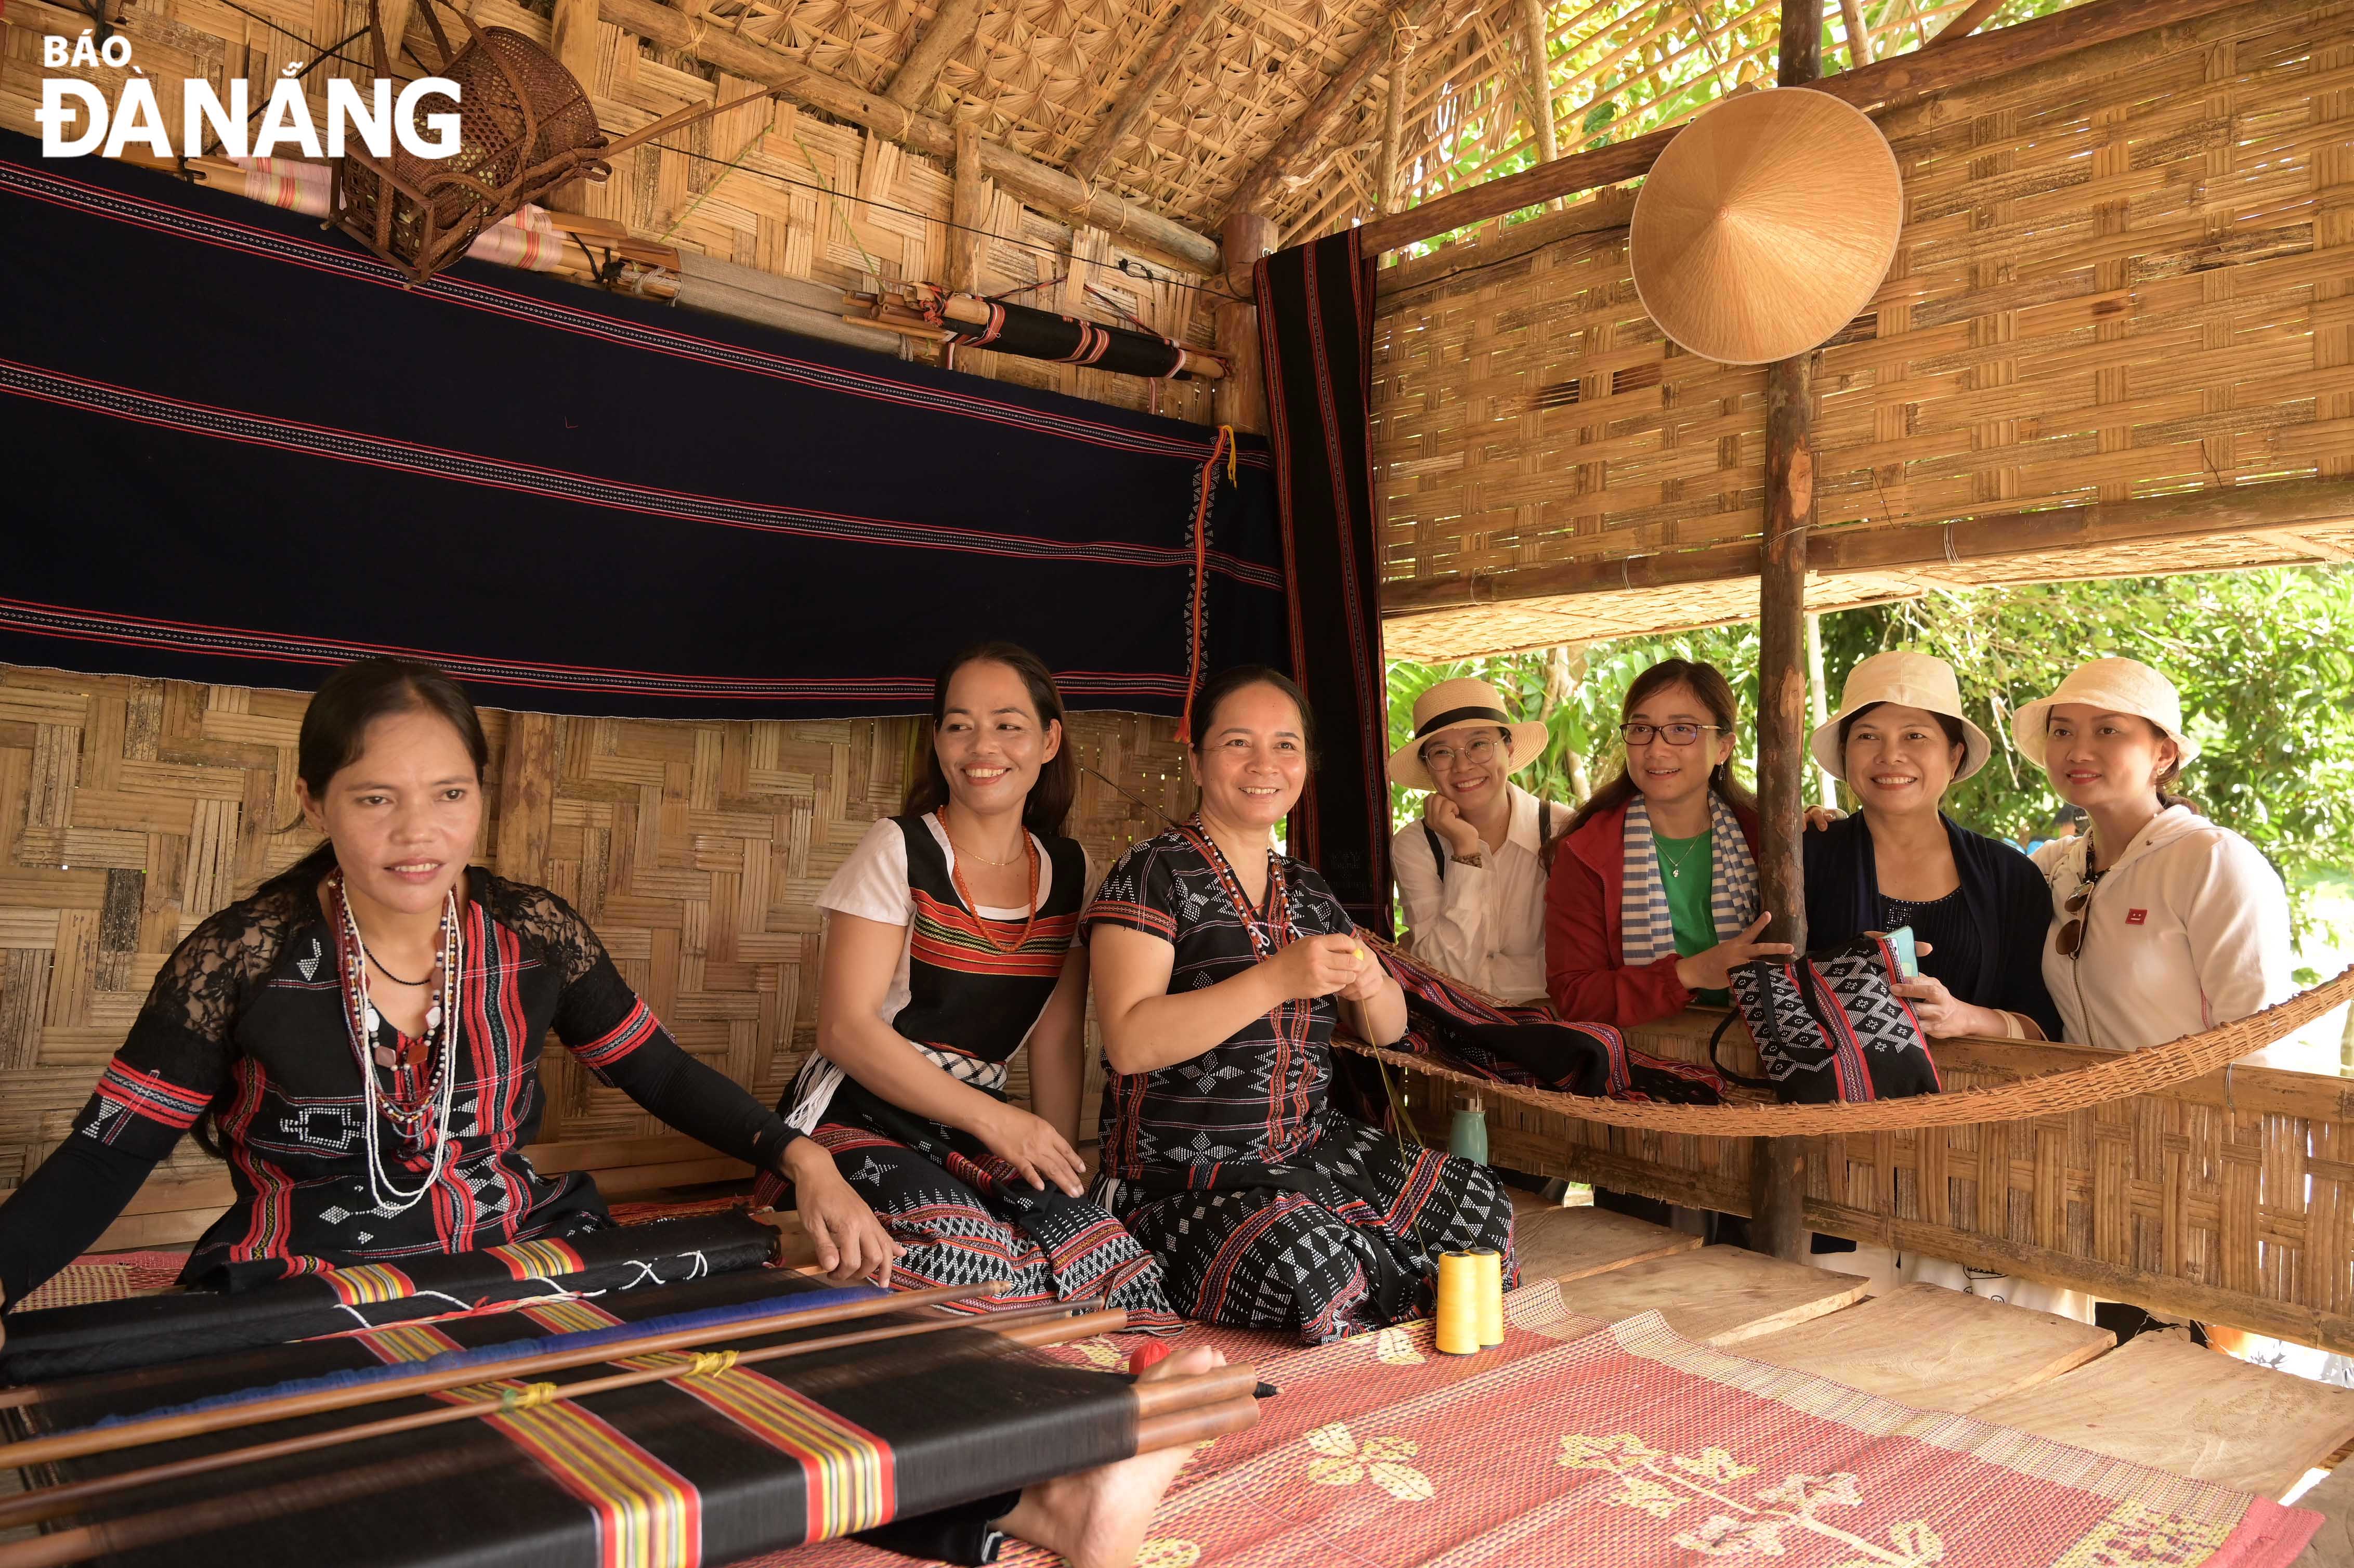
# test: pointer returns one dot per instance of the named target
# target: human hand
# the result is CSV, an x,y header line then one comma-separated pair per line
x,y
1318,966
851,1242
1446,820
1033,1148
1946,1015
1712,970
1370,979
1821,817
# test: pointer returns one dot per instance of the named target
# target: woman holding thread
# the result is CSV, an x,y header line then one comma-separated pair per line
x,y
1222,968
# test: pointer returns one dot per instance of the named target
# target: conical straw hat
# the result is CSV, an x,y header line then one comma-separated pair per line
x,y
1766,226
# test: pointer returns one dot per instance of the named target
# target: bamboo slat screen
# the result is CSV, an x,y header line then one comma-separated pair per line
x,y
131,809
806,198
2117,287
2230,1200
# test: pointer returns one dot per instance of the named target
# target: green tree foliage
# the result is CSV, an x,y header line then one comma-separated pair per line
x,y
2264,661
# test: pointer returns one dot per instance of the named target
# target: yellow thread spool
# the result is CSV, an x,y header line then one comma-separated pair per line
x,y
1459,1304
1491,1295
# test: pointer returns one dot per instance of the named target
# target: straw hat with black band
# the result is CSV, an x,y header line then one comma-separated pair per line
x,y
1767,226
1451,704
1910,681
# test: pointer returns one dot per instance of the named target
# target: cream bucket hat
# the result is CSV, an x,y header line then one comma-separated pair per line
x,y
2114,686
1465,700
1909,680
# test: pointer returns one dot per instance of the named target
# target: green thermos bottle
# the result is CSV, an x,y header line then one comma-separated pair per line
x,y
1468,1137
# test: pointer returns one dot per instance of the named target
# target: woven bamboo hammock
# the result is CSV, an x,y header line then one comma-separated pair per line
x,y
2133,1072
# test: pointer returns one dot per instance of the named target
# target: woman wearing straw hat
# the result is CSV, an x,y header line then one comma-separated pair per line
x,y
1471,872
2162,922
1974,903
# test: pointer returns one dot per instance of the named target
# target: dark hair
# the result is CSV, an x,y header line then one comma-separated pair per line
x,y
1226,683
1955,734
1058,779
1716,694
334,732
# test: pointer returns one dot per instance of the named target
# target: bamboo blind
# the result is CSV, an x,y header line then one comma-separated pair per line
x,y
2118,287
131,809
2228,1199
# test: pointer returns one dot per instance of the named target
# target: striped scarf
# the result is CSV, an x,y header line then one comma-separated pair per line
x,y
1645,932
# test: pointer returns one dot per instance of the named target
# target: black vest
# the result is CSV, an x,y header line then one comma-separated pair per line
x,y
964,993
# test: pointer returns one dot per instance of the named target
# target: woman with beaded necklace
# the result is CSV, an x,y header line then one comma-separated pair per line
x,y
950,944
363,1036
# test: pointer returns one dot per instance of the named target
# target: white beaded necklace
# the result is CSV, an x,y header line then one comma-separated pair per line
x,y
441,1032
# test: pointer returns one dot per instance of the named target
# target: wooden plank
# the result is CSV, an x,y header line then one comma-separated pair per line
x,y
1936,1349
1553,1242
1719,1295
2166,1403
2333,1500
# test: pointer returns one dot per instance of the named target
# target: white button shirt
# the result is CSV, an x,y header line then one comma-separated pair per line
x,y
1481,924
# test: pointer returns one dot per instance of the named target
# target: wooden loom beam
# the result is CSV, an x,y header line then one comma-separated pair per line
x,y
1779,1167
1891,80
952,26
1129,106
1049,189
1308,128
2281,507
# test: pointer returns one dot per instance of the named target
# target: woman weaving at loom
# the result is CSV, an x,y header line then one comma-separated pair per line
x,y
950,943
265,1016
1222,967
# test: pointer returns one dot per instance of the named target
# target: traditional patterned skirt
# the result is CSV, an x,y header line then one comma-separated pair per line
x,y
965,1215
1343,1238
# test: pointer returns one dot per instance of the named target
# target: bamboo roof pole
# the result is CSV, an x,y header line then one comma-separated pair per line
x,y
1963,26
1337,93
1777,1192
1859,32
1894,79
1130,105
1049,189
1539,33
952,27
1385,175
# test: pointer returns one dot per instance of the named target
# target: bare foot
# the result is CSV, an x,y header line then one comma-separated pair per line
x,y
1097,1518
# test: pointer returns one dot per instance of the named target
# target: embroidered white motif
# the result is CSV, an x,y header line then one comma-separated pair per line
x,y
309,965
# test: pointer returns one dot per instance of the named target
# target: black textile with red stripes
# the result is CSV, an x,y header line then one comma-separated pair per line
x,y
1459,1026
1316,334
247,453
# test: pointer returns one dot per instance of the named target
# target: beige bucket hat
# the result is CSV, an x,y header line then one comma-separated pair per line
x,y
2114,686
1909,680
1464,701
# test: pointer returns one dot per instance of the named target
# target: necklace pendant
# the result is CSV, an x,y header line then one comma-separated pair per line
x,y
385,1058
368,1017
433,1018
1677,871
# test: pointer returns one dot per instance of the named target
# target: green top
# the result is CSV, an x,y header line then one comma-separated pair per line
x,y
1689,900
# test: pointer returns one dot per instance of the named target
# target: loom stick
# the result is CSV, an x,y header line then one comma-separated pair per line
x,y
1179,1428
48,1503
161,1429
1165,1395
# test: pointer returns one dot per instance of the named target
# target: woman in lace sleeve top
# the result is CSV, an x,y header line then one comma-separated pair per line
x,y
362,1037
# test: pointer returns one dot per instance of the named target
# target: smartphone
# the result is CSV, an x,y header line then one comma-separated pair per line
x,y
1900,942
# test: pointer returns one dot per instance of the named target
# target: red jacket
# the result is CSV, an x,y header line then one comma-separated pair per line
x,y
1585,972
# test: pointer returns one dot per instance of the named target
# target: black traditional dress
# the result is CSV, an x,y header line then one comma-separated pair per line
x,y
1269,1208
972,985
248,1021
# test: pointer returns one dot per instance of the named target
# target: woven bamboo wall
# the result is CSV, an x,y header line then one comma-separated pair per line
x,y
805,197
131,809
2226,1199
2120,287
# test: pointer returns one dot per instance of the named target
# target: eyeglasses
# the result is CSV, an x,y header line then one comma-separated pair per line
x,y
1445,755
2070,940
1673,734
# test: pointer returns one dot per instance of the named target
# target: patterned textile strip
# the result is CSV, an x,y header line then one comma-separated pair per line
x,y
945,935
1645,932
538,1259
648,1515
849,1468
367,1284
1316,331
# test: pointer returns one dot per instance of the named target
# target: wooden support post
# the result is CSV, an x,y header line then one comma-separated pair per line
x,y
1778,1175
1386,192
967,212
1241,397
1858,32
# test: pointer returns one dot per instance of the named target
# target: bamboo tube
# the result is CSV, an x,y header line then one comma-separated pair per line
x,y
1178,1429
136,1433
1163,1395
48,1503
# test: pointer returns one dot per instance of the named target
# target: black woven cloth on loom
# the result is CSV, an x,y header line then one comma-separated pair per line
x,y
1045,334
105,1336
703,1469
1459,1026
1316,334
262,454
